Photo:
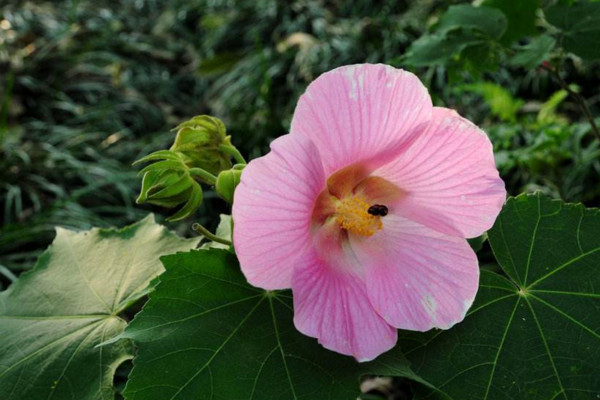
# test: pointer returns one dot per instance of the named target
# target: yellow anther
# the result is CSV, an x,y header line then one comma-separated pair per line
x,y
352,214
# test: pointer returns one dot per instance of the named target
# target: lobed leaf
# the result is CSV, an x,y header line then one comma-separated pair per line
x,y
53,317
206,334
487,20
535,332
580,25
460,28
520,16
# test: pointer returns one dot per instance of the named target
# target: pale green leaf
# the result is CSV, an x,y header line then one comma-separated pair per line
x,y
52,318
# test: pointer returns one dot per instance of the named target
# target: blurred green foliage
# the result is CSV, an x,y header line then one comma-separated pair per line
x,y
87,87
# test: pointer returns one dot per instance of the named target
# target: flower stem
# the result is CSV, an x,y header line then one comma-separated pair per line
x,y
204,175
578,99
232,151
207,234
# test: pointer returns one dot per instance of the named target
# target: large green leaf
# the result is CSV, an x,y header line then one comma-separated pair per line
x,y
520,15
52,318
488,21
580,24
439,49
206,334
535,332
460,28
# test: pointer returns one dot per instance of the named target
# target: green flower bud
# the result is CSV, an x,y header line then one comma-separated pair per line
x,y
165,188
200,141
201,151
169,183
227,181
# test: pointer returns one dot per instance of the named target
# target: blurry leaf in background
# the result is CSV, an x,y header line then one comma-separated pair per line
x,y
438,49
52,318
534,334
219,64
460,27
520,14
534,53
580,25
489,21
501,102
206,332
547,113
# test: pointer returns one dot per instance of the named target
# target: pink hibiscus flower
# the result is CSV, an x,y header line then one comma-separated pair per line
x,y
363,210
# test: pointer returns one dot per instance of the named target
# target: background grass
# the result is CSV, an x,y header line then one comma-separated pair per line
x,y
87,87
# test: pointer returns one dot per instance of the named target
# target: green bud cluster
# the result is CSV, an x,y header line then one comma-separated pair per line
x,y
200,141
201,153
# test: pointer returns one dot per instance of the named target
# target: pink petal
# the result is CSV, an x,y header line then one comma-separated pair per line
x,y
272,209
417,278
331,304
449,177
357,111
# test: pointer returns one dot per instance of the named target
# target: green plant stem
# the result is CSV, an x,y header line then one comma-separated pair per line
x,y
232,151
207,234
578,99
204,175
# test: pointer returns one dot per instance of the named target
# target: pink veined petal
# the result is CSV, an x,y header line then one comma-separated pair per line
x,y
331,304
449,177
354,112
272,209
417,278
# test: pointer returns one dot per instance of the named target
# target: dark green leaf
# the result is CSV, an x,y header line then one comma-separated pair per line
x,y
520,15
487,20
219,63
476,243
206,334
461,27
52,318
580,24
534,334
534,53
438,49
